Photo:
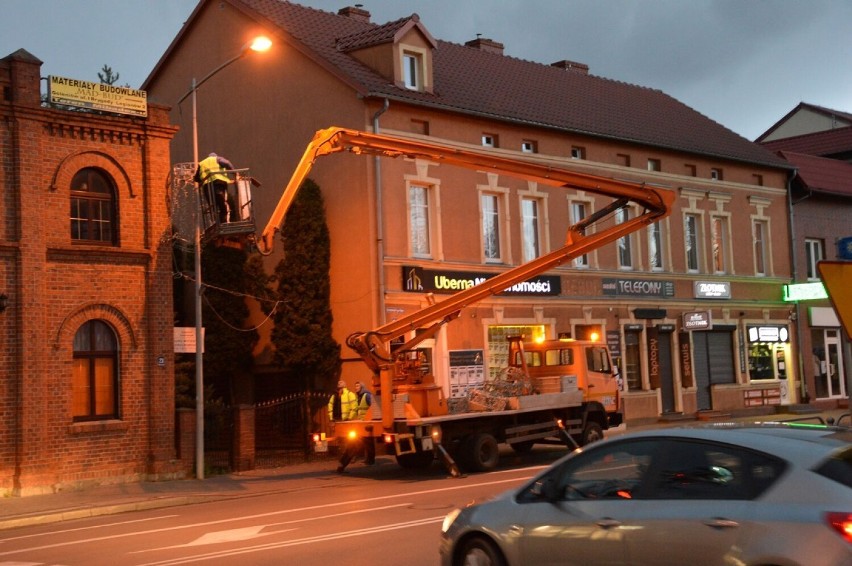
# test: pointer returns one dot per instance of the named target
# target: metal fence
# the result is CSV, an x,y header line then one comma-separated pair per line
x,y
283,429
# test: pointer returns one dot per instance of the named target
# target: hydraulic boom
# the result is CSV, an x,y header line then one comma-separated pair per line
x,y
583,237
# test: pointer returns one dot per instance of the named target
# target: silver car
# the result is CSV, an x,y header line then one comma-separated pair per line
x,y
718,494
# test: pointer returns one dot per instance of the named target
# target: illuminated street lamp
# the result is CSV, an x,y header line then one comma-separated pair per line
x,y
259,44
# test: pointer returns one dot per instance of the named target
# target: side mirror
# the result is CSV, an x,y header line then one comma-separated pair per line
x,y
546,489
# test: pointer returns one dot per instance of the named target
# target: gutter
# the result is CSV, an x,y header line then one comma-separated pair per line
x,y
380,237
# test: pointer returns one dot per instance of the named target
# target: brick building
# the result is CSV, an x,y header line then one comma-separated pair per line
x,y
724,251
85,270
818,142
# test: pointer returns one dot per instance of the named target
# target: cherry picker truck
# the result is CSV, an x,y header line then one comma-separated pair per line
x,y
411,416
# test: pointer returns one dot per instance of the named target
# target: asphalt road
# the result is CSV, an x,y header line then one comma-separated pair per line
x,y
386,516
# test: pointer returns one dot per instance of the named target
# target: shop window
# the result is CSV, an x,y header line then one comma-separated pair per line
x,y
760,361
94,389
93,208
498,344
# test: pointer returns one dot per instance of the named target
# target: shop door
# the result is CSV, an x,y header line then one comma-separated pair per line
x,y
667,392
834,365
713,361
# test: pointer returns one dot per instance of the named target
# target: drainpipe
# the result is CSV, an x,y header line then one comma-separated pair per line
x,y
803,393
380,241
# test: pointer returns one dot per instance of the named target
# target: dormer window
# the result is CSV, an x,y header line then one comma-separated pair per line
x,y
412,70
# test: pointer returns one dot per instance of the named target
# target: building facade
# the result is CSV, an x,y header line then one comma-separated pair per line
x,y
818,142
85,277
692,307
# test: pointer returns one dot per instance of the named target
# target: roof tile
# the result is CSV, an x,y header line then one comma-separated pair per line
x,y
478,82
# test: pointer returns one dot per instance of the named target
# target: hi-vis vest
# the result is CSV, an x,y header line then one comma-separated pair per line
x,y
207,166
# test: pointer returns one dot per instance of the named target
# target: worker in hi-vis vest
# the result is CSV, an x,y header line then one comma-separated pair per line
x,y
210,173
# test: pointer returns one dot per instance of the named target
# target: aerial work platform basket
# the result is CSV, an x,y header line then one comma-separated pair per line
x,y
220,213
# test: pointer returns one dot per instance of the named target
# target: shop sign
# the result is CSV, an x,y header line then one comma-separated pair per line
x,y
804,292
844,248
419,280
184,339
711,289
613,342
769,333
97,96
637,287
685,360
697,320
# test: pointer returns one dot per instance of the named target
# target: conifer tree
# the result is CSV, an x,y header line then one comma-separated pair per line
x,y
305,349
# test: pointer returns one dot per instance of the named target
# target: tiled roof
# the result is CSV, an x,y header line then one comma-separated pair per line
x,y
822,175
834,114
473,81
825,143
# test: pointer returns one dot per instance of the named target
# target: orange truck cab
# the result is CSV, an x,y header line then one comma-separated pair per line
x,y
556,366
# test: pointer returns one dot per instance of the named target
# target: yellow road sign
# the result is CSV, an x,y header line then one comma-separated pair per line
x,y
837,277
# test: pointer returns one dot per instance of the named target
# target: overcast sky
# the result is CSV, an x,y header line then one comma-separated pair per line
x,y
743,63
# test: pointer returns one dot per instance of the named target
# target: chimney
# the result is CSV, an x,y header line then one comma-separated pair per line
x,y
581,68
485,44
356,12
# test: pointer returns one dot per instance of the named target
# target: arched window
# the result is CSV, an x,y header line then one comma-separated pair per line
x,y
95,379
93,208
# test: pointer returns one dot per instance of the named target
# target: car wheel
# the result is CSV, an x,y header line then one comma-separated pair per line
x,y
481,452
480,551
592,433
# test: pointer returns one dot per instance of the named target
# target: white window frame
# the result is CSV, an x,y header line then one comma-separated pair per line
x,y
529,146
624,245
814,253
761,246
720,243
575,215
692,241
496,216
531,229
412,70
656,238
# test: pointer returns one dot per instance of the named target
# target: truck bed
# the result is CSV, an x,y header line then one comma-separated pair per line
x,y
527,404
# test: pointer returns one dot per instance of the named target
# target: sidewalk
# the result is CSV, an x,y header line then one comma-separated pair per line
x,y
120,498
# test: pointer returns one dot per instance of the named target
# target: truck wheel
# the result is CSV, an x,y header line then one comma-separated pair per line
x,y
592,433
481,452
416,461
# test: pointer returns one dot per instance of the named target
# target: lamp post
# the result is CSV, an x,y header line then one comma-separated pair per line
x,y
258,44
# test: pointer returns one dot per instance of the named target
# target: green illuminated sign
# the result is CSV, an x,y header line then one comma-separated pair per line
x,y
804,292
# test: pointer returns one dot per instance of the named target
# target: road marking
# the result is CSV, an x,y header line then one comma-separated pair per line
x,y
367,500
297,542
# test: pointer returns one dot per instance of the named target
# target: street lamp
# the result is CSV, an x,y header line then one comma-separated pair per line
x,y
258,44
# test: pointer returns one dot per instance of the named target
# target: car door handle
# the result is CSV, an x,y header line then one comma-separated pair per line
x,y
721,523
608,523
